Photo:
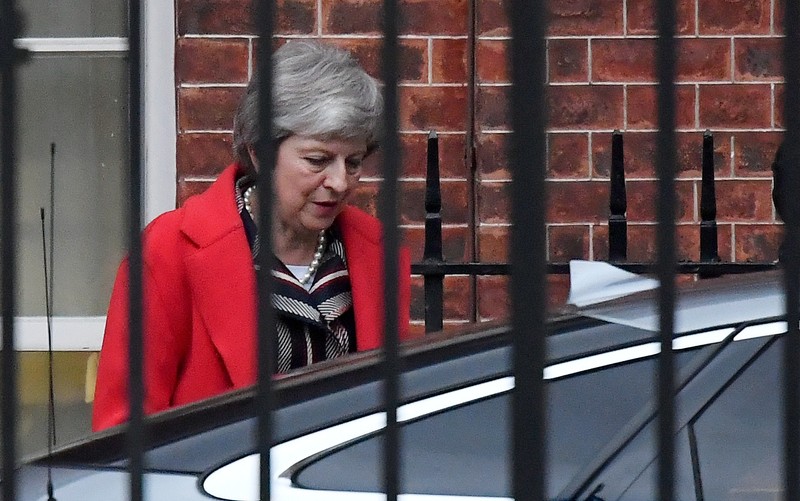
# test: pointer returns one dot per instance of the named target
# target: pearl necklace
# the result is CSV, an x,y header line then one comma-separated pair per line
x,y
312,268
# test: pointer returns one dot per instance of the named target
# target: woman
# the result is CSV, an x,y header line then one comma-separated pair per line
x,y
200,289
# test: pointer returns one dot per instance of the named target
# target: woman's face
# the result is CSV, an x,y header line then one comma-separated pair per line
x,y
313,180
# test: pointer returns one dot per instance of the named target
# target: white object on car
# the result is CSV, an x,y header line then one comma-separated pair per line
x,y
593,282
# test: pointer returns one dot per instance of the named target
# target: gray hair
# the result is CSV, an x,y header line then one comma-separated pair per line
x,y
319,91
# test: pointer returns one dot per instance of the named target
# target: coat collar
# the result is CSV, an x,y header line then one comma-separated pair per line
x,y
221,277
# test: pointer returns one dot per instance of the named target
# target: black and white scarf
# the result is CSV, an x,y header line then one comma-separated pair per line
x,y
312,325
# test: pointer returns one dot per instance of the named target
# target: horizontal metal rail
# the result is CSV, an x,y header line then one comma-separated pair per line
x,y
688,268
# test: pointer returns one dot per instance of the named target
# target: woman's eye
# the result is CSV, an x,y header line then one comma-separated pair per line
x,y
317,161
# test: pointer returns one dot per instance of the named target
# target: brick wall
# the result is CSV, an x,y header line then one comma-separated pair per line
x,y
600,69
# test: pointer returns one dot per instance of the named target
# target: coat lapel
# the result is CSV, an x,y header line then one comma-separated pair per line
x,y
362,239
221,276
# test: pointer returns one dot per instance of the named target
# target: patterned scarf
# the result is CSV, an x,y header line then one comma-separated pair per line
x,y
312,325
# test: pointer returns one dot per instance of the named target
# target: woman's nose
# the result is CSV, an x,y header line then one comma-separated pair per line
x,y
336,176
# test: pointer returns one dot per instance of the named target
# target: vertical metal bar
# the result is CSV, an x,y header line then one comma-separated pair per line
x,y
618,203
666,261
434,283
709,252
791,257
136,438
527,253
265,153
8,243
470,148
387,209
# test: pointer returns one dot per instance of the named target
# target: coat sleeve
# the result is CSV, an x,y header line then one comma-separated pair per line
x,y
163,349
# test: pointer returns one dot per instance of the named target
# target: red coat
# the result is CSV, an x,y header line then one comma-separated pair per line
x,y
200,304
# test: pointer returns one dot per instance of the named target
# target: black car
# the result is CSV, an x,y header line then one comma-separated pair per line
x,y
455,415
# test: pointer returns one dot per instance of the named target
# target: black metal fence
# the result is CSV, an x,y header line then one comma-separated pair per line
x,y
434,268
528,266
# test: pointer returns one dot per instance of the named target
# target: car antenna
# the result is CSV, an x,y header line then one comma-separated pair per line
x,y
51,416
48,298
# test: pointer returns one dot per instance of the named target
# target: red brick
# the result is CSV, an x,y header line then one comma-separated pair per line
x,y
203,60
567,242
739,200
452,162
645,249
758,242
779,120
731,17
455,243
492,61
494,205
458,298
492,156
492,18
641,154
203,154
643,199
557,292
351,17
585,107
234,17
492,108
585,17
493,298
413,65
437,108
366,197
203,17
577,202
296,17
188,188
703,59
455,202
642,17
779,17
642,106
493,244
758,59
568,156
628,60
449,60
753,152
207,108
434,17
568,60
735,106
418,17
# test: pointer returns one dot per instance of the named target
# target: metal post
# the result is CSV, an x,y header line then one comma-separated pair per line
x,y
528,250
9,58
708,206
791,249
387,209
665,167
265,152
434,282
618,203
136,433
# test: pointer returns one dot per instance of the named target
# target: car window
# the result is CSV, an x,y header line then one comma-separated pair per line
x,y
465,451
737,450
728,445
